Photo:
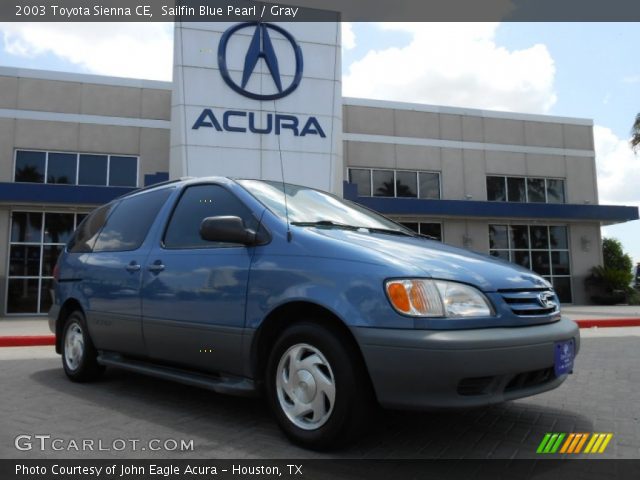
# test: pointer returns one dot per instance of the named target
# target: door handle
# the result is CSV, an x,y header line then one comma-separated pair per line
x,y
156,267
133,267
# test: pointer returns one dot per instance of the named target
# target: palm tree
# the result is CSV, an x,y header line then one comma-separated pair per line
x,y
635,134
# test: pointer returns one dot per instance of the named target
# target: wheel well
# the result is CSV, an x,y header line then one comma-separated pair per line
x,y
71,305
284,316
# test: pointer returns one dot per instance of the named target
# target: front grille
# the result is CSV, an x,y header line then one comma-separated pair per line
x,y
530,379
475,385
528,303
508,383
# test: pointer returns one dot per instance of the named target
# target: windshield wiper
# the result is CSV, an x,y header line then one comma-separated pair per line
x,y
331,223
390,231
326,223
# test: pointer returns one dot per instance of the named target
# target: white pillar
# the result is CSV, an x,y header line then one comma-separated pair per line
x,y
219,127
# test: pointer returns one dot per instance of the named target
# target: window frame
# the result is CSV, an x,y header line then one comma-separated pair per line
x,y
77,155
119,204
216,245
549,250
40,278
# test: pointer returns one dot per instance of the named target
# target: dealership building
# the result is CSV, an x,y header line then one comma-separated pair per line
x,y
262,100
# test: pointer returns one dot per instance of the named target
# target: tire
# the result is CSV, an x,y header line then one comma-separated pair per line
x,y
326,400
79,357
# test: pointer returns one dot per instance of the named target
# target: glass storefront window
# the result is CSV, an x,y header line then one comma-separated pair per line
x,y
26,227
362,178
555,191
429,185
93,170
523,189
430,229
37,238
396,183
498,237
62,168
406,184
535,190
123,171
541,248
496,189
76,168
30,166
383,183
516,189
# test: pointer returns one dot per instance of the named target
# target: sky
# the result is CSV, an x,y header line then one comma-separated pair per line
x,y
586,70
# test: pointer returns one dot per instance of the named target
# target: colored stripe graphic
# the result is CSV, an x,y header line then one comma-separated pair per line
x,y
573,443
543,443
583,439
551,442
606,441
567,443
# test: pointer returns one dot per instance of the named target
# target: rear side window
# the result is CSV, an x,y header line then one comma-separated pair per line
x,y
129,224
196,204
85,236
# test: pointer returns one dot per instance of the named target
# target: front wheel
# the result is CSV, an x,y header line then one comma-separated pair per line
x,y
317,387
79,357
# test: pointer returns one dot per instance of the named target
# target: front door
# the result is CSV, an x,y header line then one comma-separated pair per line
x,y
194,291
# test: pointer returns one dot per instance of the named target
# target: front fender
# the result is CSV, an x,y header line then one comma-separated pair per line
x,y
352,290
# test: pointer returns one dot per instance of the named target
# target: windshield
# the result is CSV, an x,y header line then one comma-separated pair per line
x,y
308,206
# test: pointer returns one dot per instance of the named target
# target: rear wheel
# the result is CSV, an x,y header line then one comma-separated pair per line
x,y
79,357
317,387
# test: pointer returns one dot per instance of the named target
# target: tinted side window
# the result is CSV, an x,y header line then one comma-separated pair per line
x,y
196,204
85,236
129,224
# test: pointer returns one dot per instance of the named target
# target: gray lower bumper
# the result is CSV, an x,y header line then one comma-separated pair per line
x,y
436,369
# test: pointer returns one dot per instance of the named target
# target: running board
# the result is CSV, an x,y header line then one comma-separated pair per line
x,y
226,385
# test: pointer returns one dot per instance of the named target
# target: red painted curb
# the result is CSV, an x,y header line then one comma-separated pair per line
x,y
27,341
605,323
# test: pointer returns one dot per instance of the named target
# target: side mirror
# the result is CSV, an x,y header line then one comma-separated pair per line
x,y
226,229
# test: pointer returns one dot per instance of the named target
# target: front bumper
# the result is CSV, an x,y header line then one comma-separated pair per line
x,y
462,368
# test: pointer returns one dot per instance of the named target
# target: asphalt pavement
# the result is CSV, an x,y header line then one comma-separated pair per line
x,y
37,399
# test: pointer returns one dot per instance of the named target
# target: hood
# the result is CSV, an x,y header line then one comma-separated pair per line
x,y
441,261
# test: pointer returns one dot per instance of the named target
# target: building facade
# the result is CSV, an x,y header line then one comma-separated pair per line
x,y
516,186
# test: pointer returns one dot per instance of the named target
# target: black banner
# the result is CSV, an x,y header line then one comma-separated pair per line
x,y
319,10
317,469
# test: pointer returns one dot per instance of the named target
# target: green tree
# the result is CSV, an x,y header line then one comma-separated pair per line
x,y
614,257
611,283
635,134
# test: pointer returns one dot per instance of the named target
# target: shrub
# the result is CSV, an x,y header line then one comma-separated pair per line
x,y
611,283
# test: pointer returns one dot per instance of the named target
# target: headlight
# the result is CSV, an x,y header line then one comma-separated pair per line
x,y
437,298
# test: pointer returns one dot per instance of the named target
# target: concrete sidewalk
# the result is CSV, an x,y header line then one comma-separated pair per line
x,y
18,326
590,312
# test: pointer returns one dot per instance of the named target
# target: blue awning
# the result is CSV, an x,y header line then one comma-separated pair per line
x,y
605,214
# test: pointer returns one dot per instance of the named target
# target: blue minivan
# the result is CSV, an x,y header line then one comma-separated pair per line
x,y
328,308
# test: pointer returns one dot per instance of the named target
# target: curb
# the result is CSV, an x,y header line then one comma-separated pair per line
x,y
27,341
43,340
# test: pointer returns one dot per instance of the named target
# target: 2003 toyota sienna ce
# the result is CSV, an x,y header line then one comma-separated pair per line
x,y
243,286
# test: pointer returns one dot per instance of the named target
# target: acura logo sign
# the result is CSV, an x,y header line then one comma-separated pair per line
x,y
261,47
